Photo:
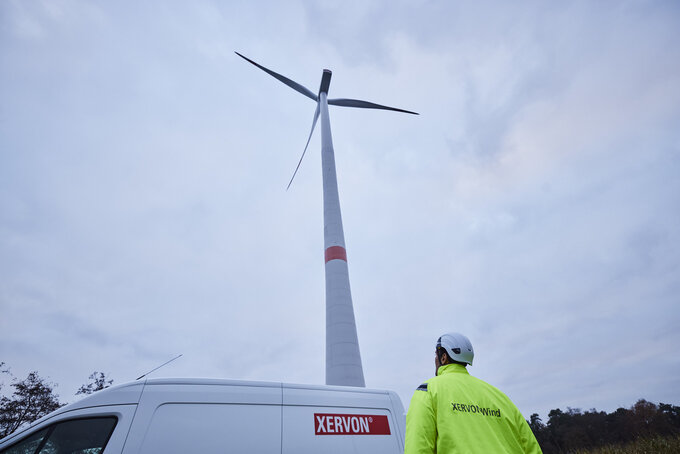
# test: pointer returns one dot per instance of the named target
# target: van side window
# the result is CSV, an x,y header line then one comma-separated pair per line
x,y
75,436
28,445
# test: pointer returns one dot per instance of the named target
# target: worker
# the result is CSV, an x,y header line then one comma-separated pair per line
x,y
455,412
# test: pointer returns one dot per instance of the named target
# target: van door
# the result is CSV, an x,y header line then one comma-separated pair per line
x,y
95,430
210,418
214,428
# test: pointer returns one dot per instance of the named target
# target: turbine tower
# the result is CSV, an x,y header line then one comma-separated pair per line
x,y
343,358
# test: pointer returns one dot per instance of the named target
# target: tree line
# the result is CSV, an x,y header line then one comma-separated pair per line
x,y
573,430
33,397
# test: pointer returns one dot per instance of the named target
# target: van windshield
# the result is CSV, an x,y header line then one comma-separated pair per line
x,y
76,436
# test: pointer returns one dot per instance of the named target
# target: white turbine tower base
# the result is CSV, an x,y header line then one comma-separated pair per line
x,y
343,358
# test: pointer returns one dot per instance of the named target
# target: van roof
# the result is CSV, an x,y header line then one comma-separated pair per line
x,y
264,384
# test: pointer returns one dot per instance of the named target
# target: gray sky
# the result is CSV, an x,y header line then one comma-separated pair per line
x,y
534,205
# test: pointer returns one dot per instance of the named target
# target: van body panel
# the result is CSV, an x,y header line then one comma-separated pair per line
x,y
399,415
213,428
212,419
342,396
299,435
216,416
303,404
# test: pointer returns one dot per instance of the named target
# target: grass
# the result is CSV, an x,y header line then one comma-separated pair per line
x,y
655,445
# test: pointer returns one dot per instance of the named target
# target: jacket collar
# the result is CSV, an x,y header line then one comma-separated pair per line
x,y
452,369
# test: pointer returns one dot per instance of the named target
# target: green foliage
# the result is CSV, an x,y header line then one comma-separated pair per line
x,y
575,431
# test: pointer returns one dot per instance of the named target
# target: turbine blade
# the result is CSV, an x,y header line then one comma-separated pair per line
x,y
292,84
365,105
316,117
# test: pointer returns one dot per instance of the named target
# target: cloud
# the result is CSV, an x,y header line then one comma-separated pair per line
x,y
143,210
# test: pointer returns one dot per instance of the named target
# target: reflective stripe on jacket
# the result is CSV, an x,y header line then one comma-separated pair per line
x,y
455,412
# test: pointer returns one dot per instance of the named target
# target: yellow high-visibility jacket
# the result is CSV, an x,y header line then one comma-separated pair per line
x,y
455,412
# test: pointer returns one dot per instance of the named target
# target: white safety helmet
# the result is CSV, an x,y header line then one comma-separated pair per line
x,y
458,347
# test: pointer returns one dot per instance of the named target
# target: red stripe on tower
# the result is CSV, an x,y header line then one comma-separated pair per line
x,y
336,253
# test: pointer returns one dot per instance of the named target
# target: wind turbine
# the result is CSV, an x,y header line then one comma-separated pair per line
x,y
343,359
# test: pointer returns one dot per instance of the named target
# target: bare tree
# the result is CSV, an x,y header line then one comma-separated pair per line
x,y
99,382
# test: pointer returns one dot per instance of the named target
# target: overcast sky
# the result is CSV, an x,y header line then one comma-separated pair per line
x,y
534,205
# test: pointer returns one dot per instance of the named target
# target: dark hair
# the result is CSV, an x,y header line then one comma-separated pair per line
x,y
441,350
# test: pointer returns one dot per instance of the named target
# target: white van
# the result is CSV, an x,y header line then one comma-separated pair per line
x,y
219,416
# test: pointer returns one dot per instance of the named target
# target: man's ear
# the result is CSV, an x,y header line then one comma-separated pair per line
x,y
444,359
